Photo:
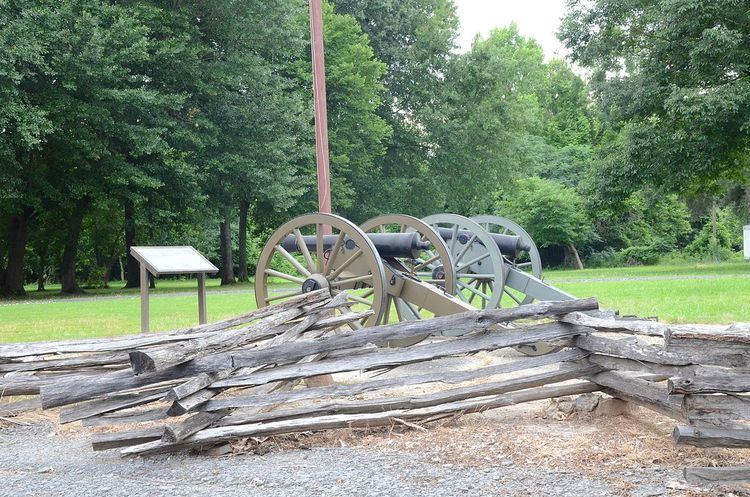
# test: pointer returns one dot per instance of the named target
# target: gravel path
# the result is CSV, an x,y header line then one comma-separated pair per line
x,y
35,461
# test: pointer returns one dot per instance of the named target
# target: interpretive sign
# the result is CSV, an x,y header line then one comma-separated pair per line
x,y
172,260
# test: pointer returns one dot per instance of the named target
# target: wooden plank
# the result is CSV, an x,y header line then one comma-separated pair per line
x,y
711,437
639,327
737,334
393,357
113,440
69,363
716,409
711,380
641,392
709,476
126,417
187,404
445,377
108,404
219,434
568,372
64,391
196,422
146,361
20,406
631,348
623,364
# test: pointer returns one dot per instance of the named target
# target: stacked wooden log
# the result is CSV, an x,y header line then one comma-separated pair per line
x,y
698,375
212,384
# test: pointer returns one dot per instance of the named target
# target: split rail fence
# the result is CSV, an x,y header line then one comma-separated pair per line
x,y
212,384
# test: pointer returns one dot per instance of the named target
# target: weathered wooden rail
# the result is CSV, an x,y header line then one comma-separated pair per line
x,y
215,383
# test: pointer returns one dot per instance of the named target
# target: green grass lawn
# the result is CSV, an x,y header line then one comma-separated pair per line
x,y
721,269
72,318
724,298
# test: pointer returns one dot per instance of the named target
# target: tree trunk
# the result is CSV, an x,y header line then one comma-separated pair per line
x,y
40,268
68,266
244,206
714,240
133,269
18,231
122,268
227,268
575,259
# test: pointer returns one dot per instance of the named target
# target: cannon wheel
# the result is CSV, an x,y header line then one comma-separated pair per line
x,y
358,267
483,290
504,226
435,260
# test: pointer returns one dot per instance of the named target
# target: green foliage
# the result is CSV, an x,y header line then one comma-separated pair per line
x,y
553,214
490,109
357,133
414,38
728,237
672,76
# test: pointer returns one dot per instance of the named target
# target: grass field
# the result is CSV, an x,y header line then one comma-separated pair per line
x,y
706,293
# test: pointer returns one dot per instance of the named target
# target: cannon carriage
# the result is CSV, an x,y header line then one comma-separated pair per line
x,y
400,268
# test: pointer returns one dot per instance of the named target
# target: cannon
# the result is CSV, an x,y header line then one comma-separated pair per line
x,y
398,268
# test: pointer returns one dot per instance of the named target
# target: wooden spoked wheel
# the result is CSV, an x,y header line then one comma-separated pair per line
x,y
432,264
315,251
477,261
526,260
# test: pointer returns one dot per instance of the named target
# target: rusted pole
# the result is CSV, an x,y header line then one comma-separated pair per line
x,y
319,99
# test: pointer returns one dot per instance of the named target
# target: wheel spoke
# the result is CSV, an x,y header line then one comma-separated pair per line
x,y
360,300
346,264
303,248
512,296
334,253
294,262
414,312
474,290
465,249
473,261
319,248
284,296
454,237
425,263
288,277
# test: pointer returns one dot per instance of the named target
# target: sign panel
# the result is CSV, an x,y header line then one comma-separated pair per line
x,y
172,260
747,241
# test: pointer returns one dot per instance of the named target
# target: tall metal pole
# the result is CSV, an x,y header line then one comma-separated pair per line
x,y
319,99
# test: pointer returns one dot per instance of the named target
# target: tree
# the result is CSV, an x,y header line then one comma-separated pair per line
x,y
672,77
553,214
490,120
415,39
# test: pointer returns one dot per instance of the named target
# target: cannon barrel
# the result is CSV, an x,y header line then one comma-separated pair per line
x,y
509,245
387,244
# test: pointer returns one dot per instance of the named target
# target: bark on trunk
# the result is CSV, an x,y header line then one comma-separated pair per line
x,y
244,206
575,259
68,266
227,267
40,279
714,240
133,268
18,231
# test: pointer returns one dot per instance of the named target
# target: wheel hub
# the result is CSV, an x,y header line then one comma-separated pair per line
x,y
314,282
